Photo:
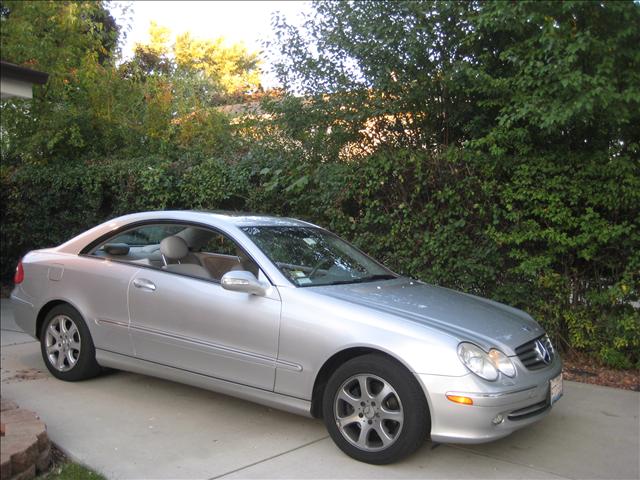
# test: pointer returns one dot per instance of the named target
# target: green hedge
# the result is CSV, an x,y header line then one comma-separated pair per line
x,y
446,220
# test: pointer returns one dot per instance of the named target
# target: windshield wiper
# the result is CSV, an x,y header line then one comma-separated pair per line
x,y
369,278
378,276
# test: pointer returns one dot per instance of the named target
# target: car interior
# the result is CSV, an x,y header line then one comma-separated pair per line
x,y
192,251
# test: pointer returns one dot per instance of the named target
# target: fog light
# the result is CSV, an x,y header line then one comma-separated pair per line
x,y
498,419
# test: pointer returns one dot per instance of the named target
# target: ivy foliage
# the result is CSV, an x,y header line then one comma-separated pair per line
x,y
492,147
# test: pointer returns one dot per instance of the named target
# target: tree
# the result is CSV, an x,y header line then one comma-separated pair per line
x,y
391,62
57,36
232,69
224,72
186,81
162,100
509,131
75,42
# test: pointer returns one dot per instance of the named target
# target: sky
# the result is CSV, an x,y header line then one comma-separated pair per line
x,y
237,21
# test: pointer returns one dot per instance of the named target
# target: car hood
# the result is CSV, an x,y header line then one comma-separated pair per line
x,y
467,317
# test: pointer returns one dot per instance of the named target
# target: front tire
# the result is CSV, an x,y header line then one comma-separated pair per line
x,y
375,410
66,345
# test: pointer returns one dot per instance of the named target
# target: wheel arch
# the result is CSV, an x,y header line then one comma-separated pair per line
x,y
337,359
46,308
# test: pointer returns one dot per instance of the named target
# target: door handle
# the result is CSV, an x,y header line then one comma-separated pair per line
x,y
144,284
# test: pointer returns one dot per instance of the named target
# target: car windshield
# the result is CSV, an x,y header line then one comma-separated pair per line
x,y
310,256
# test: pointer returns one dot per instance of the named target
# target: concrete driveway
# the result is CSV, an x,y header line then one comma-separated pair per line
x,y
130,426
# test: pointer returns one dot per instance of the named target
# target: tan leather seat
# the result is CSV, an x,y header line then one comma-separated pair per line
x,y
175,252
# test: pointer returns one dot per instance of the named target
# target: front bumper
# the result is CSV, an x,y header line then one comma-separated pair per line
x,y
521,401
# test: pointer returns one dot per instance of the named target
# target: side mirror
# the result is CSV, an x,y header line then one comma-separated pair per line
x,y
243,281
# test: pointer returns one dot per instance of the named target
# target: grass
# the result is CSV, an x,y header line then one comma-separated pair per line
x,y
71,471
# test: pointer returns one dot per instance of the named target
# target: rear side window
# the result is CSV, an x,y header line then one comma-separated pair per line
x,y
139,245
196,251
147,235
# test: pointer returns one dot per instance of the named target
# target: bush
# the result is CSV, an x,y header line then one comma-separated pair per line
x,y
437,218
486,146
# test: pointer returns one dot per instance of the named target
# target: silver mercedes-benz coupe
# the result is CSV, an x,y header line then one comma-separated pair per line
x,y
286,314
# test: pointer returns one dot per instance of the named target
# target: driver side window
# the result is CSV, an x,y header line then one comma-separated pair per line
x,y
220,254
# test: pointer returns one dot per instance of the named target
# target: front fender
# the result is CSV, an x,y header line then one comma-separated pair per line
x,y
313,329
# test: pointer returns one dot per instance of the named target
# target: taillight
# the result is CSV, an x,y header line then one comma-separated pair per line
x,y
19,276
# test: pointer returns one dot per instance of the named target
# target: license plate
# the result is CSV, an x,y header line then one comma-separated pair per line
x,y
555,388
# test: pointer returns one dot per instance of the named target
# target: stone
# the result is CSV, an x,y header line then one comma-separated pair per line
x,y
27,454
43,440
5,465
27,427
24,443
28,474
34,428
16,444
18,415
44,460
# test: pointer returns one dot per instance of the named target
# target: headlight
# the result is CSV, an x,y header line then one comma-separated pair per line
x,y
502,362
485,365
477,361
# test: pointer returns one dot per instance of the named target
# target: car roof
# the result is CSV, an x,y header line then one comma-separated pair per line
x,y
221,217
248,219
213,218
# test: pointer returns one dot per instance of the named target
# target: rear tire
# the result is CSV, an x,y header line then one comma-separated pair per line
x,y
375,410
66,345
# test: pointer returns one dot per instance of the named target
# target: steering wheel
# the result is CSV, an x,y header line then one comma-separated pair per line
x,y
317,266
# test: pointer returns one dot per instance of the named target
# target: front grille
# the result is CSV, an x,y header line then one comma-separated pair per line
x,y
536,354
528,412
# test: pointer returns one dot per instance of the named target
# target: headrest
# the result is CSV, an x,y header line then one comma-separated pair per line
x,y
174,248
116,248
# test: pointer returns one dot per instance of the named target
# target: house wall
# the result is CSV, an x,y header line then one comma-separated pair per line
x,y
10,87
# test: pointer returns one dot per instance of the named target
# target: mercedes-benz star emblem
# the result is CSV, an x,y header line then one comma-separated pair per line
x,y
543,352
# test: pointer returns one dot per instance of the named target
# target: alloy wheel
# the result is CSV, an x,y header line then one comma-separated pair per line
x,y
62,343
368,412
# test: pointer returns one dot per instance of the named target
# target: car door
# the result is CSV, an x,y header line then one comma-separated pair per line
x,y
101,286
102,275
194,324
